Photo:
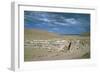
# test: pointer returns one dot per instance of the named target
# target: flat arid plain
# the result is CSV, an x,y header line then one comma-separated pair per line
x,y
40,45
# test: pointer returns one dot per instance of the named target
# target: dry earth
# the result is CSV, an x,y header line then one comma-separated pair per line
x,y
61,48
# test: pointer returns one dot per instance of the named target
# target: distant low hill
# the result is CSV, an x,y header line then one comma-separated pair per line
x,y
38,34
86,34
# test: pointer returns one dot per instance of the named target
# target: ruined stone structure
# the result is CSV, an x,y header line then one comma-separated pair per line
x,y
58,45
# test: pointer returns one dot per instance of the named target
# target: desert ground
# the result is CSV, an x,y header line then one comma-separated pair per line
x,y
42,45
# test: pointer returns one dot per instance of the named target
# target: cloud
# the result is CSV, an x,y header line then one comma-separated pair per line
x,y
55,29
44,19
61,23
71,20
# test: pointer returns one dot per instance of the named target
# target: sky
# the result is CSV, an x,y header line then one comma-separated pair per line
x,y
57,22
